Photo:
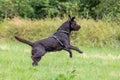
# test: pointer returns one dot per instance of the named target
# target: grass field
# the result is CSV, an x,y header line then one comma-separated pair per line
x,y
95,64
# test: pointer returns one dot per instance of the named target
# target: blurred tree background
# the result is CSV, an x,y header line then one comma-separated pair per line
x,y
37,9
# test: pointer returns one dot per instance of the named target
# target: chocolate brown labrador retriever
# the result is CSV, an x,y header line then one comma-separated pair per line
x,y
58,41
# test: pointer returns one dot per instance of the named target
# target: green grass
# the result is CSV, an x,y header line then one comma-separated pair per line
x,y
95,64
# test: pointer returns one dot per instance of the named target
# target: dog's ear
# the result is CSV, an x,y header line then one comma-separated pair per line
x,y
72,18
69,18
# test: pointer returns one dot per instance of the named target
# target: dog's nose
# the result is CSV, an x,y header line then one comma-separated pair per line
x,y
79,26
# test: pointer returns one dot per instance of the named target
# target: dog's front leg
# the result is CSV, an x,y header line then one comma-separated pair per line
x,y
67,48
70,52
75,48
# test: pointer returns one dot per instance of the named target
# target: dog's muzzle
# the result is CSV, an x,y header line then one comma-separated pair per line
x,y
76,28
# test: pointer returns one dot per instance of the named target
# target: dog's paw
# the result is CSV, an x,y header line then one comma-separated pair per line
x,y
80,52
70,56
34,64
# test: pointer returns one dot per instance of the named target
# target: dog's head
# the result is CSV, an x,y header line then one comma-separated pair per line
x,y
72,24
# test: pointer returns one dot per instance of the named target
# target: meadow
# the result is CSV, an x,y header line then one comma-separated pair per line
x,y
94,64
99,40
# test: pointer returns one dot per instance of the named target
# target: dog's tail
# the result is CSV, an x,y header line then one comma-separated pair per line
x,y
24,41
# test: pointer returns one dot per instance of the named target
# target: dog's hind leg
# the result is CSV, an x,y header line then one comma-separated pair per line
x,y
37,54
35,60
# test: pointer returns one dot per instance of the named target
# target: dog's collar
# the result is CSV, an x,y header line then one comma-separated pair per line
x,y
59,41
63,31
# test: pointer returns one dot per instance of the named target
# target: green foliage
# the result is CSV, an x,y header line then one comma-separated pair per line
x,y
96,9
88,7
109,9
70,75
11,8
45,8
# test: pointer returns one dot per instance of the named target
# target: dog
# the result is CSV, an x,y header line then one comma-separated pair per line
x,y
60,40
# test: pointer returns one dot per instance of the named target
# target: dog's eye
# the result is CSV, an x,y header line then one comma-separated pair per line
x,y
72,25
